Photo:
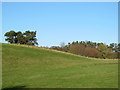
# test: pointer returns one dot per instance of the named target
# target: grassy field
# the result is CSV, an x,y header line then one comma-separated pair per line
x,y
41,68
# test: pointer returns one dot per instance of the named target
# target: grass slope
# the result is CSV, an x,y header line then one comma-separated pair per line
x,y
42,68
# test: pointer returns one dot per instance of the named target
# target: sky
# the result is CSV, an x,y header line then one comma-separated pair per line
x,y
57,22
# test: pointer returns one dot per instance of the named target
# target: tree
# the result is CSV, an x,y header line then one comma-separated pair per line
x,y
77,49
111,45
103,49
91,52
91,49
62,44
20,38
29,37
66,48
119,47
11,36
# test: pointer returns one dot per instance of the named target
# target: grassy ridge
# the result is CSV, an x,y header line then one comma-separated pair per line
x,y
42,68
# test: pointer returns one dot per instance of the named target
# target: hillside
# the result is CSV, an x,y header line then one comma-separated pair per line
x,y
27,67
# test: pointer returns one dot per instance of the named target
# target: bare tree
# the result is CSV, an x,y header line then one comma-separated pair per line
x,y
62,44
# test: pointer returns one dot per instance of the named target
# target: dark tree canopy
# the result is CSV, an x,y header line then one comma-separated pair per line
x,y
28,37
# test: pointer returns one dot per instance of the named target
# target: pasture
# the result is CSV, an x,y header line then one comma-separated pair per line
x,y
42,68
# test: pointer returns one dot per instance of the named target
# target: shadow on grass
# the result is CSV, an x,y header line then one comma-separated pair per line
x,y
23,88
15,88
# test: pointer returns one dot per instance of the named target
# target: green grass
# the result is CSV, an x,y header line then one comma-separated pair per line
x,y
42,68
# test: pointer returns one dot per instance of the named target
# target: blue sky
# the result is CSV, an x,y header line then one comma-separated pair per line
x,y
57,22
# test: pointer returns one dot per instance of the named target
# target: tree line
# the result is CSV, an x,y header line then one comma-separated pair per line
x,y
91,49
83,48
27,37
